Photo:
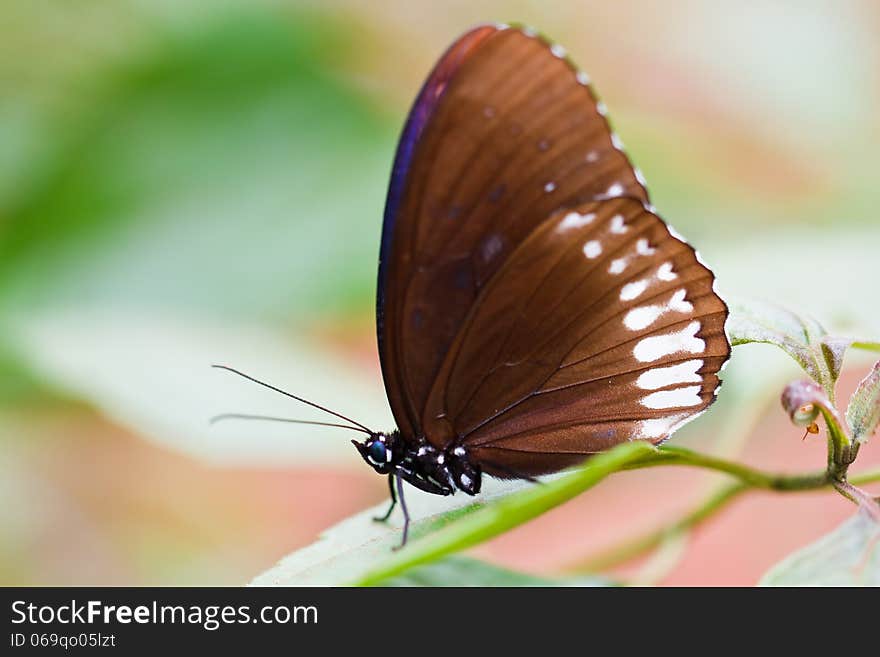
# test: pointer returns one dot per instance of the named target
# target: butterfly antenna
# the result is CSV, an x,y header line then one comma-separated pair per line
x,y
243,416
299,399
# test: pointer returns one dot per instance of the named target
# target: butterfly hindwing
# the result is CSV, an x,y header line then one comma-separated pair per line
x,y
504,132
600,327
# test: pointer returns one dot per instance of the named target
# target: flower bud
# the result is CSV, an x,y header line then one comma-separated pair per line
x,y
801,400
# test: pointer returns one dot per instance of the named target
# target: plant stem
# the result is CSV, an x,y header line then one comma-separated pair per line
x,y
512,511
717,500
860,497
867,477
750,476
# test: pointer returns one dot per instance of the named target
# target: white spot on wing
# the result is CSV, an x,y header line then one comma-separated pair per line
x,y
642,317
617,266
549,187
640,177
658,427
643,248
616,141
678,303
593,156
655,347
575,220
592,249
665,273
662,377
557,50
617,224
529,31
583,78
615,190
601,108
631,290
675,398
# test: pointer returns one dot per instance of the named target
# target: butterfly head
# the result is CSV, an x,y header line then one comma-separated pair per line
x,y
380,450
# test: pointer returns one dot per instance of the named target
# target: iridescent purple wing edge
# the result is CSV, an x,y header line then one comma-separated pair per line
x,y
421,112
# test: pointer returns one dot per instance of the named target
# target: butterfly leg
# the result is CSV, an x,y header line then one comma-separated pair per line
x,y
405,513
393,501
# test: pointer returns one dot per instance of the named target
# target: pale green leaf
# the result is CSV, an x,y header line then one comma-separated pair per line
x,y
833,351
801,337
863,412
848,556
347,551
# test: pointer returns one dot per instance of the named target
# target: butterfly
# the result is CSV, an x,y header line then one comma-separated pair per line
x,y
532,307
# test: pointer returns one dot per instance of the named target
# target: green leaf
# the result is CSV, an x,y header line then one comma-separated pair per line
x,y
345,552
801,337
359,551
464,571
833,351
848,556
863,412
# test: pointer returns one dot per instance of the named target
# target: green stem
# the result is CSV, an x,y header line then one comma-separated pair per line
x,y
750,476
720,498
490,521
841,451
867,477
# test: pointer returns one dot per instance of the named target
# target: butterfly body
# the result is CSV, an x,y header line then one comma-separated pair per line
x,y
418,462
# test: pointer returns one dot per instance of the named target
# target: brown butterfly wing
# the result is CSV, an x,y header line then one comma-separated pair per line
x,y
601,327
504,132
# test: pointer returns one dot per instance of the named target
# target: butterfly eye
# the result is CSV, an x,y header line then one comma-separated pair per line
x,y
378,452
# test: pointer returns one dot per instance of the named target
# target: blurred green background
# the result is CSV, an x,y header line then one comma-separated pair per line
x,y
183,183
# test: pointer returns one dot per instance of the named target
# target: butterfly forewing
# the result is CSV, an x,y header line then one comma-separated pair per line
x,y
505,132
388,289
601,327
